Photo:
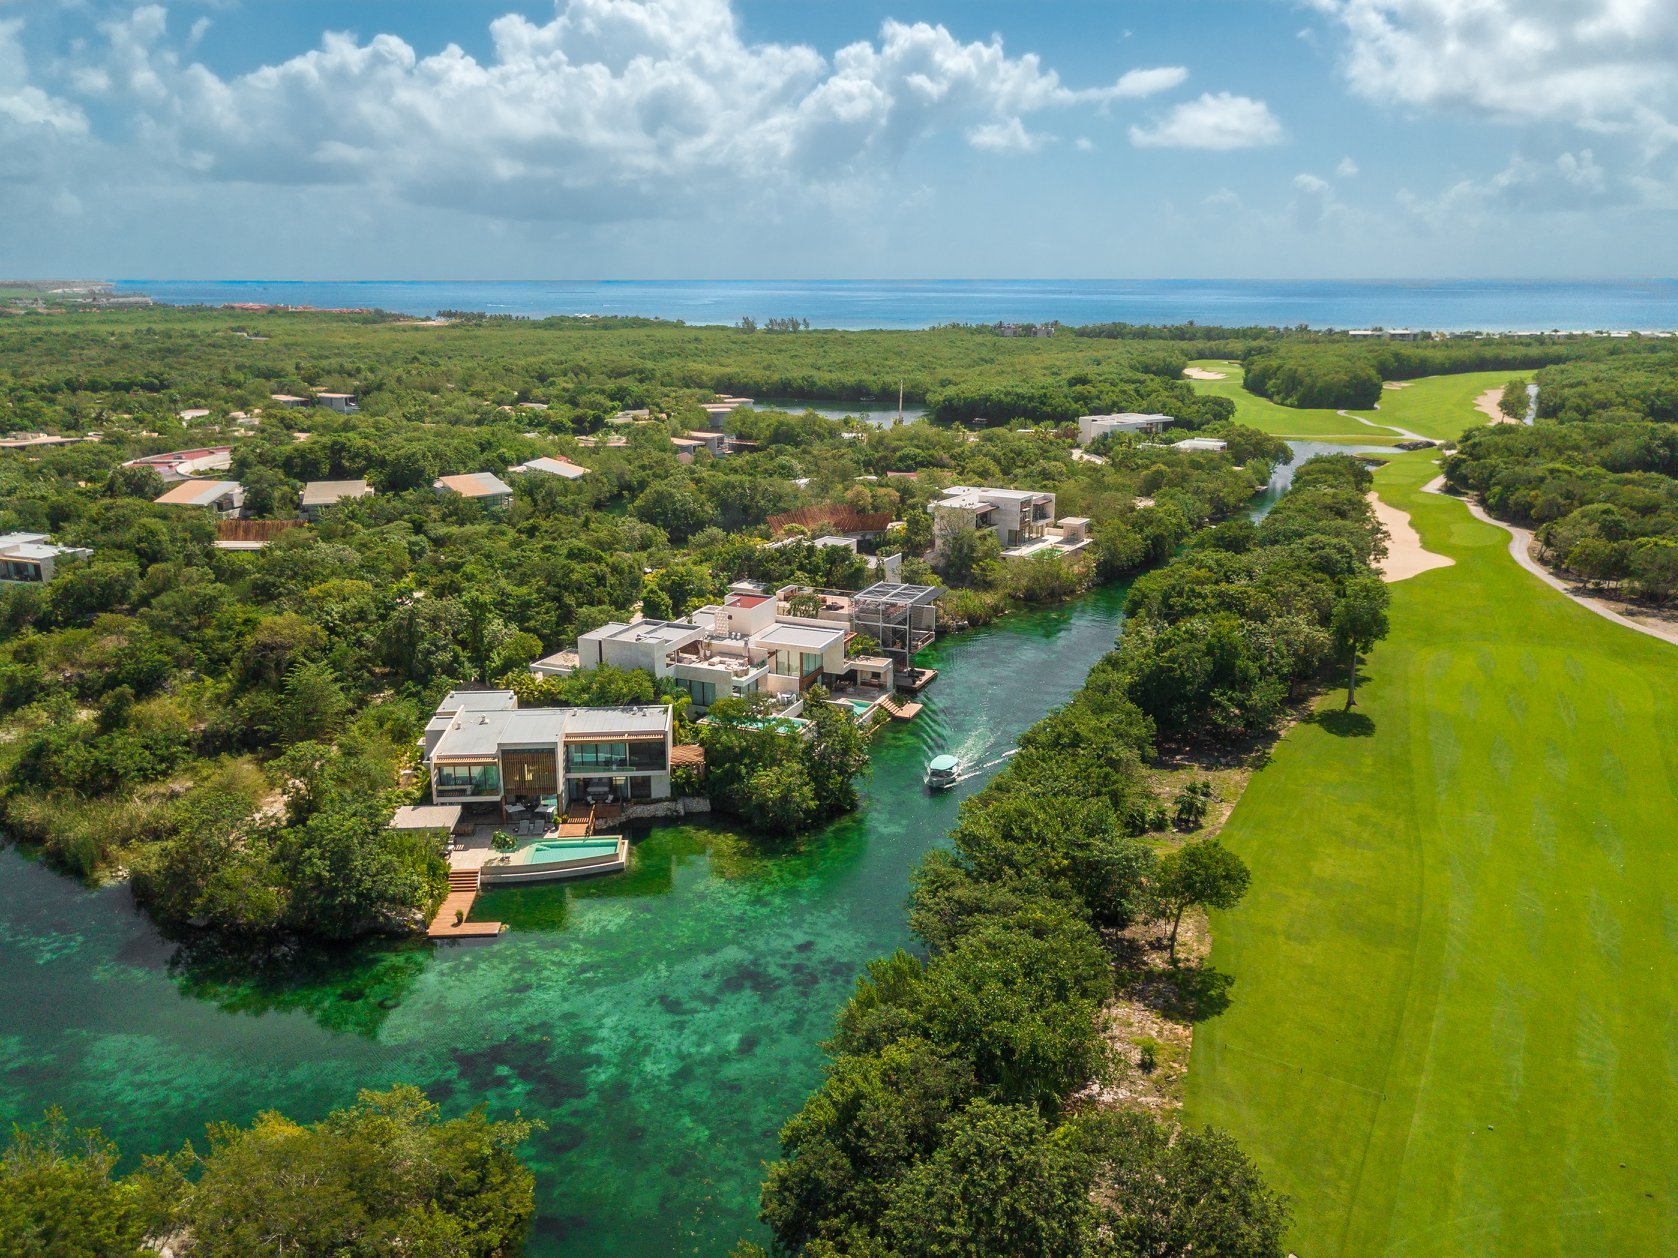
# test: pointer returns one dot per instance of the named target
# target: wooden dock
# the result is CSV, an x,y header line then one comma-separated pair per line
x,y
900,708
463,893
914,680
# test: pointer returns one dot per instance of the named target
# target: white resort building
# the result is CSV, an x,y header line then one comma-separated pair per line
x,y
1092,426
553,467
482,749
744,645
1022,519
32,558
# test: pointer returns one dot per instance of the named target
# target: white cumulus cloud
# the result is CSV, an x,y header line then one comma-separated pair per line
x,y
612,107
1602,63
1004,137
1214,121
24,105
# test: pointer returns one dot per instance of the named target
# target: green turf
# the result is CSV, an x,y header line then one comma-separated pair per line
x,y
1438,407
1285,421
1454,1013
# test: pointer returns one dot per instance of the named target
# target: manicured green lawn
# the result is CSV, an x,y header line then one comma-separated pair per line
x,y
1439,407
1284,421
1453,1026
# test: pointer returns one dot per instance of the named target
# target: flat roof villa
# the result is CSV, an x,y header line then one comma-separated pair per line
x,y
343,403
484,487
486,753
1022,519
321,494
689,443
180,464
553,467
33,558
1092,426
225,497
1201,443
739,647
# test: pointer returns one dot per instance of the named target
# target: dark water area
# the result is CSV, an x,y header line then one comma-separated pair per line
x,y
1436,305
663,1023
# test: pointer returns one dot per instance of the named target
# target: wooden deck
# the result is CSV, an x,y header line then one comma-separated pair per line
x,y
900,708
915,680
463,893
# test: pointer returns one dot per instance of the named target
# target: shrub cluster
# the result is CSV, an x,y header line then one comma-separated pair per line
x,y
1602,495
385,1176
1219,640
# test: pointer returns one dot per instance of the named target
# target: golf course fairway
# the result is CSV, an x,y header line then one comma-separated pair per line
x,y
1454,1019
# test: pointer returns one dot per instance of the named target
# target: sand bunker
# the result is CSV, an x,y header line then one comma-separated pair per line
x,y
1395,384
1200,373
1406,556
1486,404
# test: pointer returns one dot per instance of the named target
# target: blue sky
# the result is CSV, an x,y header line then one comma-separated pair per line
x,y
793,139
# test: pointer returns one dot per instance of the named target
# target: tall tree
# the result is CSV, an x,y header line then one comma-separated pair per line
x,y
1359,621
1203,873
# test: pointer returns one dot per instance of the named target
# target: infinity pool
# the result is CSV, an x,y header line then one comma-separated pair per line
x,y
565,850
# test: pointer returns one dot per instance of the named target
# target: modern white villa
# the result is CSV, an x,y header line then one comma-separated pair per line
x,y
1092,426
1022,519
32,558
485,752
744,645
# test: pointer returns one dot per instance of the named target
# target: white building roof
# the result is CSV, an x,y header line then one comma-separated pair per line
x,y
197,493
799,637
481,732
554,467
323,493
671,632
474,484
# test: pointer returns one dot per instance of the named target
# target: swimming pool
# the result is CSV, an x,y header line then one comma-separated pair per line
x,y
565,850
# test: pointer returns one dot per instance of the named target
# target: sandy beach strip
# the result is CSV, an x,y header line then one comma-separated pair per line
x,y
1406,556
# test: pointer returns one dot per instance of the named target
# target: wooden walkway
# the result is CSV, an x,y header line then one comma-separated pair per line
x,y
463,893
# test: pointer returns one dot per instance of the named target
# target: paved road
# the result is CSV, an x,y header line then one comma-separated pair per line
x,y
1520,542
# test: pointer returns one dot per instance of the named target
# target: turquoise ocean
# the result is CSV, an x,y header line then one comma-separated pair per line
x,y
1437,305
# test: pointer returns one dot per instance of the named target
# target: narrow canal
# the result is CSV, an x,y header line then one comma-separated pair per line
x,y
663,1023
